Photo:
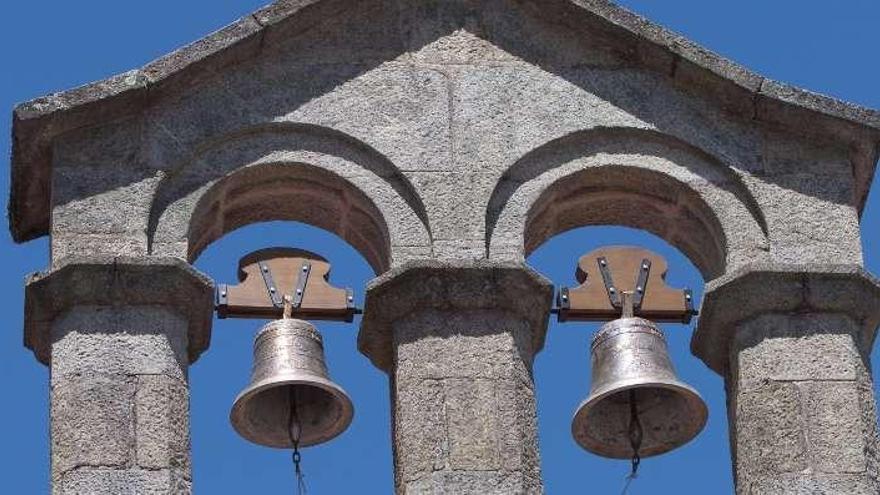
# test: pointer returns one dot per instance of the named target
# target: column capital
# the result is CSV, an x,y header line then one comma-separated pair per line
x,y
451,286
767,288
117,281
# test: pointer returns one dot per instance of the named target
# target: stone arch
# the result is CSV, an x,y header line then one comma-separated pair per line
x,y
294,172
631,177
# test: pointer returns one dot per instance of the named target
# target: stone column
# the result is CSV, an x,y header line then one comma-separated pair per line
x,y
119,335
793,344
458,341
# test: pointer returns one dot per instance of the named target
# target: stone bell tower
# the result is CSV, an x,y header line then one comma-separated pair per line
x,y
445,141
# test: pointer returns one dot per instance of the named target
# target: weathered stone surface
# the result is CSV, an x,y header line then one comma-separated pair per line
x,y
459,426
162,424
869,427
36,123
835,432
769,438
461,378
237,41
451,36
421,440
813,485
471,415
107,281
192,117
583,178
133,340
823,229
365,32
118,333
456,216
798,407
462,344
92,422
459,250
517,423
557,36
385,107
513,288
782,288
791,348
294,172
775,93
282,9
784,153
94,245
98,481
436,428
473,483
105,207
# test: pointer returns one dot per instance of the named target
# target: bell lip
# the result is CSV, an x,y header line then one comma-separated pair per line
x,y
693,396
339,427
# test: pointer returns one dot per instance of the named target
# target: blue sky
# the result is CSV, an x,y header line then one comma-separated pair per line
x,y
53,45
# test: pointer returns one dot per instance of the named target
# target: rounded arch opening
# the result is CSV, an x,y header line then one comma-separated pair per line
x,y
629,177
630,197
296,172
293,192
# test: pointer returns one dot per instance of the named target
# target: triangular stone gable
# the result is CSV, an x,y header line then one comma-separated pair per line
x,y
389,65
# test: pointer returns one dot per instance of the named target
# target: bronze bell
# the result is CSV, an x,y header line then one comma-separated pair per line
x,y
637,406
290,401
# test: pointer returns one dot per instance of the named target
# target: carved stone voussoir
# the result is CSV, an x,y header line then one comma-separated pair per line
x,y
117,281
455,286
782,289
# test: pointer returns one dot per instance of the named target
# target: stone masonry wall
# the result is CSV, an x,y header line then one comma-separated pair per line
x,y
802,408
426,108
120,401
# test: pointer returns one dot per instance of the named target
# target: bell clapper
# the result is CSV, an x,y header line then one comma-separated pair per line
x,y
295,430
635,440
635,432
635,426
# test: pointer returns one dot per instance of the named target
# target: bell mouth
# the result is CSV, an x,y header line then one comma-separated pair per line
x,y
671,414
261,413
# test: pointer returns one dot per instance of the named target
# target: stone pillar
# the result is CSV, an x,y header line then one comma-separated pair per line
x,y
793,344
119,335
458,341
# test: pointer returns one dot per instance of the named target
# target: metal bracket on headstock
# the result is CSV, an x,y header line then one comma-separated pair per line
x,y
618,276
284,282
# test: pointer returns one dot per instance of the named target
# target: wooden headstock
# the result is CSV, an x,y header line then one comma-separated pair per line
x,y
267,276
606,273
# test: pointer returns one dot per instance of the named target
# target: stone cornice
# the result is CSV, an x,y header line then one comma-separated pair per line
x,y
38,122
117,281
782,289
453,286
